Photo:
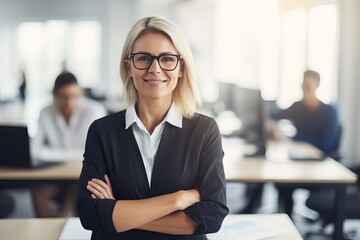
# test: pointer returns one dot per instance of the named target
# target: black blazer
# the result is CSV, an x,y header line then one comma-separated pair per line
x,y
188,157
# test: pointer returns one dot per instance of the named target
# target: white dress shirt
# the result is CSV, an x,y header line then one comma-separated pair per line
x,y
148,143
57,137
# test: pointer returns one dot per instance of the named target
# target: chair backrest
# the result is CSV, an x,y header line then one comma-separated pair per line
x,y
336,153
357,171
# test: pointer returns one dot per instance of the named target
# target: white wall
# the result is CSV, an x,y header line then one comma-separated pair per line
x,y
119,19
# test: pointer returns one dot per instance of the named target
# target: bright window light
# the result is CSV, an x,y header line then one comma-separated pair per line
x,y
293,56
322,48
47,48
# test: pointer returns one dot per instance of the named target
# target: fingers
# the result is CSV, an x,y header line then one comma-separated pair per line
x,y
109,186
107,181
100,189
96,191
100,183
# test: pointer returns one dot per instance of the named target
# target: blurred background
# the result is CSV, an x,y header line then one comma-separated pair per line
x,y
260,44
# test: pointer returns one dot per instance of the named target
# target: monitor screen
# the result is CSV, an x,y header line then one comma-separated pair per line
x,y
225,100
252,110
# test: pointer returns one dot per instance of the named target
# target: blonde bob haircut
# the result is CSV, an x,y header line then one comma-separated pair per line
x,y
186,95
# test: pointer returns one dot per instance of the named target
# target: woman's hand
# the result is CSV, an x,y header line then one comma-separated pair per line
x,y
100,189
186,198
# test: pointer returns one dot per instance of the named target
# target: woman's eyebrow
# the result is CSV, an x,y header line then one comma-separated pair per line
x,y
162,53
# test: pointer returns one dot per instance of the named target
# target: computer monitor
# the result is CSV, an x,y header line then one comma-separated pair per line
x,y
253,112
225,101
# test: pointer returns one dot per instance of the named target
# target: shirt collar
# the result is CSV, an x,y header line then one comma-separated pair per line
x,y
173,116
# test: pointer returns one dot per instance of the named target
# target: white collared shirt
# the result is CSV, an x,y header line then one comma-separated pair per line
x,y
54,135
148,143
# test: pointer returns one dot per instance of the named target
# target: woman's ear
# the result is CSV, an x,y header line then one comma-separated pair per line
x,y
181,70
128,66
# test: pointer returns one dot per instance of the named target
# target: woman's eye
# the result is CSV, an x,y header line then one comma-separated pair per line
x,y
143,59
168,59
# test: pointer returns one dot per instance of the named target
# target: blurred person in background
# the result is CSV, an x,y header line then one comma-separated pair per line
x,y
316,123
61,135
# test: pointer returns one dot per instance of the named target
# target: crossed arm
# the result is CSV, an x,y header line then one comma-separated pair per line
x,y
158,214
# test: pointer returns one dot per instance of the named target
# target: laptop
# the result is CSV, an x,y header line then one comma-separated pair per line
x,y
15,148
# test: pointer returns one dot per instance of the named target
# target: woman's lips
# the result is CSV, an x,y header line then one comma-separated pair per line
x,y
155,81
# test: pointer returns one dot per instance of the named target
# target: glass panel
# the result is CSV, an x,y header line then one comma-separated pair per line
x,y
47,48
293,55
246,43
322,48
85,52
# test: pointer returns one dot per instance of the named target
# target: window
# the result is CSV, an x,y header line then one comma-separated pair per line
x,y
246,44
269,45
322,48
309,40
293,55
47,48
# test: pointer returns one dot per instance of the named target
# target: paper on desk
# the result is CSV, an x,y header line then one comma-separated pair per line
x,y
73,230
245,229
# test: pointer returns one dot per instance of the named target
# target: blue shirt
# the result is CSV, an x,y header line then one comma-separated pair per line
x,y
319,127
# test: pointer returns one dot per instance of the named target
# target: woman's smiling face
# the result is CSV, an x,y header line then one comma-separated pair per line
x,y
154,82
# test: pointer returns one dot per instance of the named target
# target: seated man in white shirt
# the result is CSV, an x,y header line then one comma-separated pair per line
x,y
62,133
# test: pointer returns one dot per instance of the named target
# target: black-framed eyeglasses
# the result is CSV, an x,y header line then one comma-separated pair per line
x,y
142,61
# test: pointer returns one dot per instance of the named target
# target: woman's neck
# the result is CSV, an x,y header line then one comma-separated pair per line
x,y
152,113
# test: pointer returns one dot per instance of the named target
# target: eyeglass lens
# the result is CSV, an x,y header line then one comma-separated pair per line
x,y
144,61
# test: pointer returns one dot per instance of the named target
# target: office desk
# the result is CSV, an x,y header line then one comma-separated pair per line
x,y
237,169
278,221
278,168
31,228
66,172
50,229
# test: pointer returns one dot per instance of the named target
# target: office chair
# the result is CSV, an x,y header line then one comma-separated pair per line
x,y
286,190
7,204
336,153
323,202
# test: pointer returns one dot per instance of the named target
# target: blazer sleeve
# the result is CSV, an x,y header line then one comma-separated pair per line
x,y
211,211
94,214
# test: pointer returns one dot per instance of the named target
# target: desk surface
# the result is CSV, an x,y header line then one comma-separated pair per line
x,y
68,170
50,229
31,228
277,167
237,169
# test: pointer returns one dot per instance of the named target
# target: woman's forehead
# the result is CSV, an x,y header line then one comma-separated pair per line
x,y
154,43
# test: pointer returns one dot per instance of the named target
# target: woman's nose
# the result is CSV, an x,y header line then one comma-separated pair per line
x,y
155,66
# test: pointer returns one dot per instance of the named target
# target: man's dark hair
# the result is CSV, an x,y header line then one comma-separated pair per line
x,y
313,74
63,79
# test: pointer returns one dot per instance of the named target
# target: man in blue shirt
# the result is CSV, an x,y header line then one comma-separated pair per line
x,y
316,123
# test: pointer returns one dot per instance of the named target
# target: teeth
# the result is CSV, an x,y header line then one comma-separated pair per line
x,y
154,81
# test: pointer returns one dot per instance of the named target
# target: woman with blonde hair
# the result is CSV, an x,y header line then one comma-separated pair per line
x,y
154,170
